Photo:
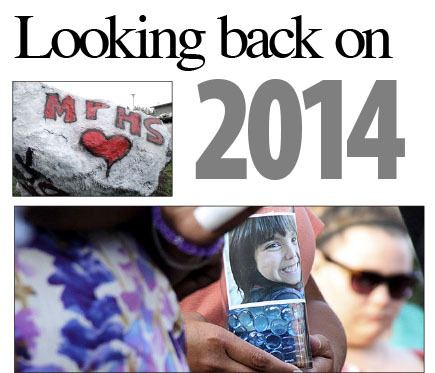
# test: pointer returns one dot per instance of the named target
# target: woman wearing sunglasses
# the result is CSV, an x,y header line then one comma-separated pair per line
x,y
364,270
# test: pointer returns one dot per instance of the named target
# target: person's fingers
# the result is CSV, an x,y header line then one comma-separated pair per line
x,y
229,365
183,220
213,217
206,347
212,348
236,220
253,357
217,361
322,354
321,364
320,346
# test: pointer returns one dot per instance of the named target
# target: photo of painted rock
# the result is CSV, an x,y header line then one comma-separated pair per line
x,y
69,145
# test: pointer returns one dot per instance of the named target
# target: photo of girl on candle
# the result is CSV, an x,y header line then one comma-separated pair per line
x,y
265,260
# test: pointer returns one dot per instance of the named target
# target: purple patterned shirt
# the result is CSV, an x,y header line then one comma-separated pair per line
x,y
93,303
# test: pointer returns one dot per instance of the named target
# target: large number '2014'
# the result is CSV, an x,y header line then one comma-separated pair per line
x,y
382,100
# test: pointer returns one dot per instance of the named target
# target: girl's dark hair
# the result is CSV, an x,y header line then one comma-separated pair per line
x,y
243,241
337,219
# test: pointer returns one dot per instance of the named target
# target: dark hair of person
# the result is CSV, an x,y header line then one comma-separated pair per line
x,y
243,241
337,219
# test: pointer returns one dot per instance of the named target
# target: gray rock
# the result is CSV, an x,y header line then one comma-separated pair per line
x,y
68,145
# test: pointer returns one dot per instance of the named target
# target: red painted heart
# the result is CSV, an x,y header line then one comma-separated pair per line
x,y
111,149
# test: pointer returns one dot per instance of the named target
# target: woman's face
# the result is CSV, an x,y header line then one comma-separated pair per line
x,y
364,317
278,259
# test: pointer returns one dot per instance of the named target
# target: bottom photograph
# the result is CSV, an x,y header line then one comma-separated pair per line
x,y
201,288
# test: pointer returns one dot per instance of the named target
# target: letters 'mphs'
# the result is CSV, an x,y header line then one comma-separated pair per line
x,y
54,107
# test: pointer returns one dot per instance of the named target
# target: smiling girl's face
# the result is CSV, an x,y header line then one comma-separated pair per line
x,y
278,259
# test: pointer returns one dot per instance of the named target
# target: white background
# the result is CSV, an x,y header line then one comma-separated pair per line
x,y
411,45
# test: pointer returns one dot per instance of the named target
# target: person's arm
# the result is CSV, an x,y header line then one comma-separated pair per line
x,y
328,340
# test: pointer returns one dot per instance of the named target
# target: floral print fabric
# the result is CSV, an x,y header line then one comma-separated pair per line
x,y
93,303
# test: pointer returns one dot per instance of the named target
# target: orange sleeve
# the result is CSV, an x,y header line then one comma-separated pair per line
x,y
315,222
210,302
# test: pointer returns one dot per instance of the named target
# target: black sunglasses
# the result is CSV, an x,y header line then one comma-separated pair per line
x,y
364,282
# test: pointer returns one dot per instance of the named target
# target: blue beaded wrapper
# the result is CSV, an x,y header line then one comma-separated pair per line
x,y
279,329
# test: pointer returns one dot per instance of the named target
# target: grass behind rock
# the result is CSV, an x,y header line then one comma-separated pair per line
x,y
165,182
